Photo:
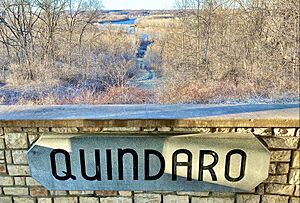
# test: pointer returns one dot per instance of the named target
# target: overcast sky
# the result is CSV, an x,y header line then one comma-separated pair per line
x,y
138,4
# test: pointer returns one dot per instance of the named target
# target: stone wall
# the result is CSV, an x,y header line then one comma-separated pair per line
x,y
17,186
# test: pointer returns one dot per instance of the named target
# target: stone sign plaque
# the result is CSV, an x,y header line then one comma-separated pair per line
x,y
196,162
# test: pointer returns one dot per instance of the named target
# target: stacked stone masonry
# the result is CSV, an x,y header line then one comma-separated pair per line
x,y
16,185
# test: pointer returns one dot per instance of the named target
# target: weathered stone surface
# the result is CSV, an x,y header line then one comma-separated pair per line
x,y
272,168
65,200
298,132
116,200
58,193
222,194
282,168
125,193
196,194
164,129
31,182
288,132
91,130
88,199
212,200
2,154
85,192
64,130
6,199
16,140
33,138
17,170
43,130
294,176
147,198
19,157
44,200
279,189
260,189
31,130
106,193
282,142
247,198
19,180
24,200
295,200
3,169
296,159
122,129
225,130
12,130
274,199
297,191
244,130
263,131
175,199
8,157
281,156
1,131
2,143
16,191
277,179
38,192
149,129
6,181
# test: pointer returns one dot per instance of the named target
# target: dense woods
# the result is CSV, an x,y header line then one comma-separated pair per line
x,y
205,51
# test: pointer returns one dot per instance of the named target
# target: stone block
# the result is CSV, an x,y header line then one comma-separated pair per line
x,y
31,182
296,159
38,192
147,198
122,129
281,156
263,131
64,130
85,192
106,193
19,156
222,194
65,200
24,200
298,132
244,130
3,169
247,198
116,200
195,194
16,140
286,132
17,170
295,200
175,199
1,131
149,129
58,193
90,129
212,200
225,130
12,130
279,189
272,168
19,181
88,199
31,130
16,191
33,138
282,142
44,200
2,154
277,179
164,129
294,177
6,181
125,193
274,199
2,143
8,157
282,168
297,191
6,199
43,130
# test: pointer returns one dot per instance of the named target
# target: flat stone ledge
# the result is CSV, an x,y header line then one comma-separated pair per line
x,y
147,116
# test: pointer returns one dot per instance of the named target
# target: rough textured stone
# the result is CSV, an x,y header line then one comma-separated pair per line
x,y
88,199
6,181
288,132
1,131
225,130
64,130
281,156
175,199
58,193
106,193
122,129
8,157
282,142
295,200
38,192
296,159
31,130
263,131
44,200
260,189
2,143
294,176
125,193
6,199
282,168
298,133
212,200
31,182
279,189
244,130
274,199
149,129
19,156
116,200
23,200
164,129
272,168
247,198
91,130
147,198
297,191
12,130
19,180
18,170
222,194
33,138
85,192
16,140
196,194
2,154
43,130
277,179
65,199
3,169
16,191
